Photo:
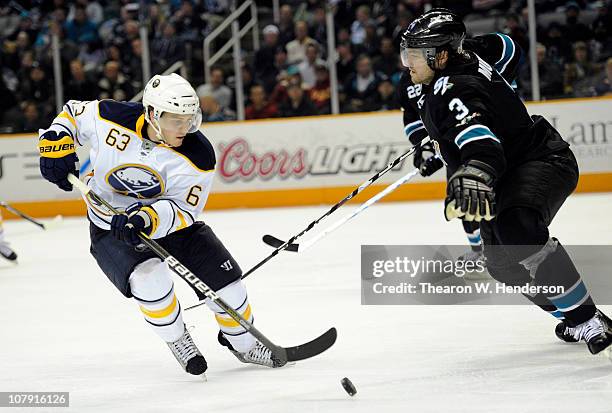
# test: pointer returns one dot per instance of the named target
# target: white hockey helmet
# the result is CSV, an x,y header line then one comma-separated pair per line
x,y
173,94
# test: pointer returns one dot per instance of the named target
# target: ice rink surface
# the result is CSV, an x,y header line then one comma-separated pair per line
x,y
64,327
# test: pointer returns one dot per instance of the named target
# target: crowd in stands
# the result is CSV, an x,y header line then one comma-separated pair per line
x,y
101,52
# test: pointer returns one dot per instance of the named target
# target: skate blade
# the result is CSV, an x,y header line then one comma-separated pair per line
x,y
606,353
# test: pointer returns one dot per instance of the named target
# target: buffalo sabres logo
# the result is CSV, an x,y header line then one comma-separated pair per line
x,y
138,181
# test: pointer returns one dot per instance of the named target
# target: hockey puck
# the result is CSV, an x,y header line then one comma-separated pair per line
x,y
349,387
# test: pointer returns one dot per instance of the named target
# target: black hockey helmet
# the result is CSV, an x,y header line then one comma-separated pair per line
x,y
438,29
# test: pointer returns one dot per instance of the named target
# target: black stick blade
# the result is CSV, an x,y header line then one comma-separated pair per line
x,y
314,347
275,243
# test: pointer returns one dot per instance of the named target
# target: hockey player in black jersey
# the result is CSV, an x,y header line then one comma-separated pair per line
x,y
511,172
501,52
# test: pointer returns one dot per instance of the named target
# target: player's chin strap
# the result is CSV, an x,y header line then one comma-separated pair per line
x,y
155,125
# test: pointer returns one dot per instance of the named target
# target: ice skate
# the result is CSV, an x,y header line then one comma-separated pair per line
x,y
595,332
188,355
259,354
474,256
565,333
7,252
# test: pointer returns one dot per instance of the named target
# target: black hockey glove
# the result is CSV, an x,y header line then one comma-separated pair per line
x,y
469,193
58,158
426,160
136,219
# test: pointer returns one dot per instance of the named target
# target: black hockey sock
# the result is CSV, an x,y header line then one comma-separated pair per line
x,y
575,301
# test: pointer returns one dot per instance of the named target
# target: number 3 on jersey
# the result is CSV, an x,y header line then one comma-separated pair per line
x,y
457,104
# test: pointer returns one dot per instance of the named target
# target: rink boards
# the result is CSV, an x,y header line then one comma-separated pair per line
x,y
314,160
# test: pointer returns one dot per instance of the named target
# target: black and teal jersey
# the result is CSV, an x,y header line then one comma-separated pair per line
x,y
497,49
473,113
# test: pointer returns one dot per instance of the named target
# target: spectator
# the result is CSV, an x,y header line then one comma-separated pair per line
x,y
387,62
307,67
361,87
403,21
264,57
574,30
92,56
558,48
80,86
358,28
213,112
296,49
216,88
344,36
81,30
604,85
260,108
320,93
279,93
385,98
167,49
113,53
319,26
125,36
93,10
549,72
286,26
602,32
14,50
298,103
37,86
8,101
134,66
580,73
31,119
346,62
516,31
113,84
188,23
271,79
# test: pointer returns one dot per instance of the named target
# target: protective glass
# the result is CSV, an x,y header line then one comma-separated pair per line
x,y
413,55
176,123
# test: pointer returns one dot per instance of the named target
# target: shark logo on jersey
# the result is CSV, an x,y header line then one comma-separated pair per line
x,y
138,181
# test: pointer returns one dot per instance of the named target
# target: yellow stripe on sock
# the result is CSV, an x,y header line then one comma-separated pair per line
x,y
164,312
230,322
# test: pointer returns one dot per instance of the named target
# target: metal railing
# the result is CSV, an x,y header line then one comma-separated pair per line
x,y
237,34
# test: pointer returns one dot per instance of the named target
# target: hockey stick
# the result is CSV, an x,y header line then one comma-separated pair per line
x,y
282,355
46,225
356,191
275,242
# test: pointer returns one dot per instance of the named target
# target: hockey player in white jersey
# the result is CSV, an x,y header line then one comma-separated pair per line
x,y
151,161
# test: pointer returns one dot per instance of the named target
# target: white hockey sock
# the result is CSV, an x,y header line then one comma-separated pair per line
x,y
235,295
152,287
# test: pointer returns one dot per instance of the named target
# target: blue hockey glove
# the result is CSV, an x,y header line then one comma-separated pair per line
x,y
136,219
